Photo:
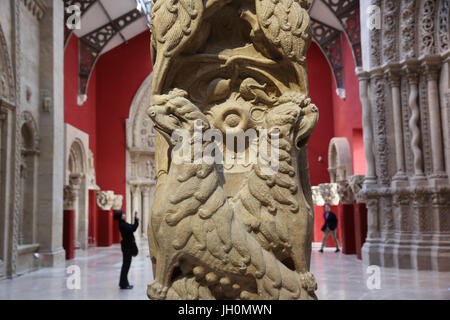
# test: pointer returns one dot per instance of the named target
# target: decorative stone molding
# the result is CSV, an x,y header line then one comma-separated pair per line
x,y
329,193
36,7
118,202
105,199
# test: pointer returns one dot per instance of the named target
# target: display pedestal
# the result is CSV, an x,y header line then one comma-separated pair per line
x,y
69,233
347,228
360,220
105,227
92,236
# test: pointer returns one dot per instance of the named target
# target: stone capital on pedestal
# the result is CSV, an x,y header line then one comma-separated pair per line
x,y
105,199
70,195
317,196
329,193
356,184
117,202
345,192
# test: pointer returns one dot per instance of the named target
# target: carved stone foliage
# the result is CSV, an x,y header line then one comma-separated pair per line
x,y
7,88
356,184
428,27
390,44
105,199
444,25
329,193
345,192
231,231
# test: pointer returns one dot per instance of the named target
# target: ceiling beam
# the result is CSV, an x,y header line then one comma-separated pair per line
x,y
330,42
347,12
93,43
84,6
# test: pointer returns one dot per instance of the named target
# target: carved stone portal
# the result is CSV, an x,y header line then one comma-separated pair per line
x,y
231,230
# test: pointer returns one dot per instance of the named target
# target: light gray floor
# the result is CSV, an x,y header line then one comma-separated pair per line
x,y
339,277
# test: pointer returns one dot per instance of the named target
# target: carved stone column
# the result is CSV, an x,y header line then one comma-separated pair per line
x,y
75,183
145,208
367,126
431,68
136,205
393,75
411,72
408,225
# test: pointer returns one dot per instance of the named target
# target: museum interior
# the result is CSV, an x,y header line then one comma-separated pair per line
x,y
77,143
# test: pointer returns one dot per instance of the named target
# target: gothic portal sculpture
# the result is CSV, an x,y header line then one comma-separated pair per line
x,y
231,230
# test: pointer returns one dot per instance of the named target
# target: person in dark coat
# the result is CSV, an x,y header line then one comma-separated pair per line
x,y
128,244
330,226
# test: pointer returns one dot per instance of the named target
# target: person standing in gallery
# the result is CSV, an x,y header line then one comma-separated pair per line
x,y
330,226
128,245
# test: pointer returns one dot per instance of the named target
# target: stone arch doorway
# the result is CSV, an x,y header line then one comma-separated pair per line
x,y
340,164
29,150
76,182
140,167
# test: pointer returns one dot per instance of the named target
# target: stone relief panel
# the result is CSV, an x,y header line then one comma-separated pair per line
x,y
411,158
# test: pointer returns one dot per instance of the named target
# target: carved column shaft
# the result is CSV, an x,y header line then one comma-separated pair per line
x,y
145,208
136,207
394,80
431,70
367,125
414,120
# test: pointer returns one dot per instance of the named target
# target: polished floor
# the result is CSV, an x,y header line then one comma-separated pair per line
x,y
339,277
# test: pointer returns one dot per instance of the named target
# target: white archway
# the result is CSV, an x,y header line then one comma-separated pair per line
x,y
140,167
340,164
76,179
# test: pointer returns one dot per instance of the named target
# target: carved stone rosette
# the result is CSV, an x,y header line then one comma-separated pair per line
x,y
405,108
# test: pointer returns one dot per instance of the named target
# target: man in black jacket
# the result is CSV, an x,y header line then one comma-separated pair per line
x,y
128,244
330,226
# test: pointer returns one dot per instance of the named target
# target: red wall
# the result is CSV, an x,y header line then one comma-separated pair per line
x,y
348,112
320,91
120,73
81,117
